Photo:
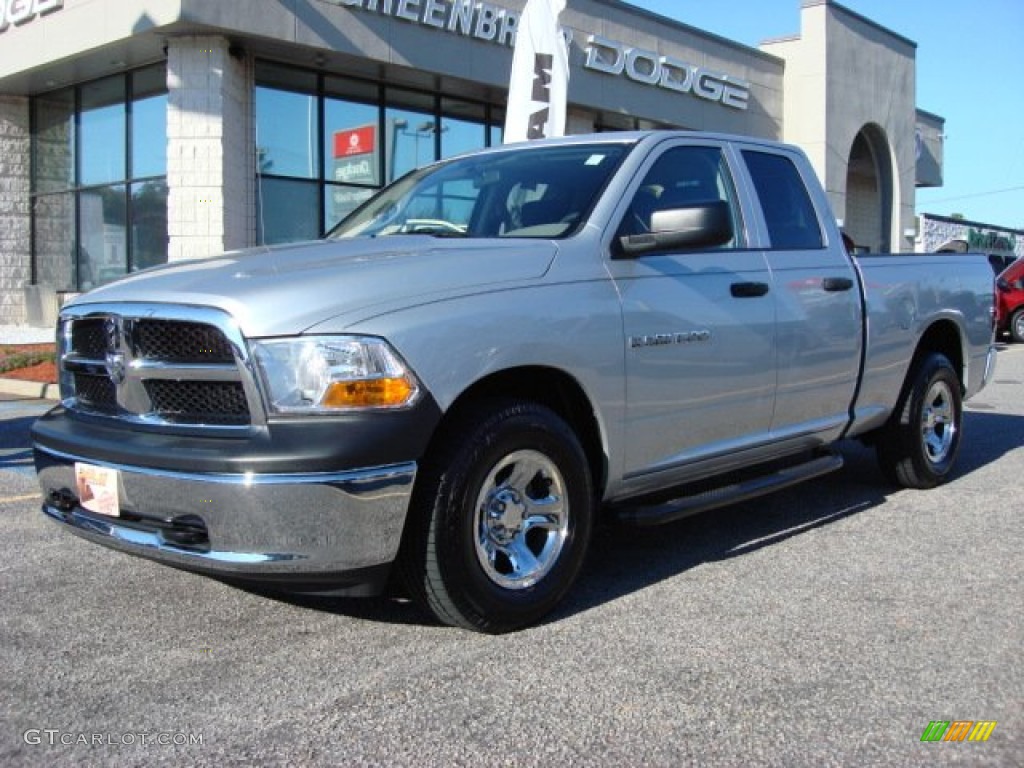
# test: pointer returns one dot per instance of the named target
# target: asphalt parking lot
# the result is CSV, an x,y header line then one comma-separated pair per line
x,y
825,625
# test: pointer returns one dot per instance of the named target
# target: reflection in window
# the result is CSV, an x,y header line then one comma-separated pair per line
x,y
410,141
92,232
463,127
341,200
149,137
351,143
102,129
286,134
149,224
369,134
459,136
102,251
287,211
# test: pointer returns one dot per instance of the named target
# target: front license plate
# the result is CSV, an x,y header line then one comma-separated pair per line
x,y
97,489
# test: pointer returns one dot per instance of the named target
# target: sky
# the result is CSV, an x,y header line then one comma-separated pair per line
x,y
970,70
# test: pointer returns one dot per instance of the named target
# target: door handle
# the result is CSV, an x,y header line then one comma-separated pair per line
x,y
748,290
837,284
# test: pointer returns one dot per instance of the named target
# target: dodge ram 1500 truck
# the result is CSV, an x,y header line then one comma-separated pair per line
x,y
490,354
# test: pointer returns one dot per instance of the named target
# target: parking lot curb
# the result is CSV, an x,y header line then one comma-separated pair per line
x,y
33,389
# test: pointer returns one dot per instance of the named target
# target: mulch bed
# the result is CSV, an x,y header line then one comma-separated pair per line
x,y
28,362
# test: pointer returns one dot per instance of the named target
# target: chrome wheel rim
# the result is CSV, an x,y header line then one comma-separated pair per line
x,y
1018,325
522,520
938,422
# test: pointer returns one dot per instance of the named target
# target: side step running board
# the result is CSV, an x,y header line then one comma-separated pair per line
x,y
685,506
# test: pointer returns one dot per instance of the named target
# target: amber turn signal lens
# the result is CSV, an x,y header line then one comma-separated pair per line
x,y
371,393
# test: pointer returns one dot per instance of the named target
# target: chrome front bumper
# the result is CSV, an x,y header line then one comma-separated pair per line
x,y
318,532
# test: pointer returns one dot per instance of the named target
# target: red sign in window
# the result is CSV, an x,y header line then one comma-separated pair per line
x,y
357,141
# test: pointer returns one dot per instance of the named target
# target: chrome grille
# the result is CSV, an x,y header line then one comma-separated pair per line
x,y
88,339
157,365
178,342
205,402
96,392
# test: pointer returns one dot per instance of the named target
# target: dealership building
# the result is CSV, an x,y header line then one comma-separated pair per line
x,y
134,132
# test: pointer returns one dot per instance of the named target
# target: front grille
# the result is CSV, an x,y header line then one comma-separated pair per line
x,y
202,402
88,338
178,342
96,392
157,365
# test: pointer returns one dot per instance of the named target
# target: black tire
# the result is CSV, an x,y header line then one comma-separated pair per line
x,y
919,446
477,551
1017,326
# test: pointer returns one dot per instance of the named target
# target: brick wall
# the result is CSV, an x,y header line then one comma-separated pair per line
x,y
15,227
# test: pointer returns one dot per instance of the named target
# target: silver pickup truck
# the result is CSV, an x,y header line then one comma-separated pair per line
x,y
492,354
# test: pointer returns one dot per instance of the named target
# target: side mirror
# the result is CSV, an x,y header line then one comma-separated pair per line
x,y
702,225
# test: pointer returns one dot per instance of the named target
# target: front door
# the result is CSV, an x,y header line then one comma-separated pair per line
x,y
699,326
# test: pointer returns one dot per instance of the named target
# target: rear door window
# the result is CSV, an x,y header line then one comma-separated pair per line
x,y
788,211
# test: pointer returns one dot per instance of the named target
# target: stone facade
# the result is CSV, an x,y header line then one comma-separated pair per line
x,y
15,224
851,82
210,168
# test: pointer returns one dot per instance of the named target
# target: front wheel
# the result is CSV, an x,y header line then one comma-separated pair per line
x,y
920,444
501,518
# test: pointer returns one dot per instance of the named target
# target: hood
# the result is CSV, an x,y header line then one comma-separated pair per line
x,y
287,289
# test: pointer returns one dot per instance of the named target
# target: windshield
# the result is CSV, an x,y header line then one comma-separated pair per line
x,y
542,192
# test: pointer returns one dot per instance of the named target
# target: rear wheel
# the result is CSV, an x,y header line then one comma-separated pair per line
x,y
919,446
1017,326
501,518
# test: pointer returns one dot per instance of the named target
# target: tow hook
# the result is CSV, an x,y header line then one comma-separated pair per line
x,y
63,500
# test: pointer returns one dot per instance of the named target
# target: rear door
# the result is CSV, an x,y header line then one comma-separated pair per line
x,y
699,324
819,329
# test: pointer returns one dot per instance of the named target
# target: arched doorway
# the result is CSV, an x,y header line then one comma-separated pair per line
x,y
869,191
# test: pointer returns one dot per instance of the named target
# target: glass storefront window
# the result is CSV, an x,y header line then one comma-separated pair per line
x,y
102,131
149,224
149,136
286,133
463,127
349,136
351,144
458,136
103,241
340,200
112,214
149,123
287,211
410,141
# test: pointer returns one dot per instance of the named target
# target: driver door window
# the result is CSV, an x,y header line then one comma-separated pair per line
x,y
682,177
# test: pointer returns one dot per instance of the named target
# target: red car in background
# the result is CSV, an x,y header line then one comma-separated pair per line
x,y
1010,301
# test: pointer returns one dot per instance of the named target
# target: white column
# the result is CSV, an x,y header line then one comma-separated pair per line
x,y
210,151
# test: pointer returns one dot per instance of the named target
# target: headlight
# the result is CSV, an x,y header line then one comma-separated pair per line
x,y
326,374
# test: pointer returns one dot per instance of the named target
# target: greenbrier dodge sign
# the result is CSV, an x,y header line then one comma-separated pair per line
x,y
494,24
18,12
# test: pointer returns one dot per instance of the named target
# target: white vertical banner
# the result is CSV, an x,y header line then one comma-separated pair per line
x,y
539,84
